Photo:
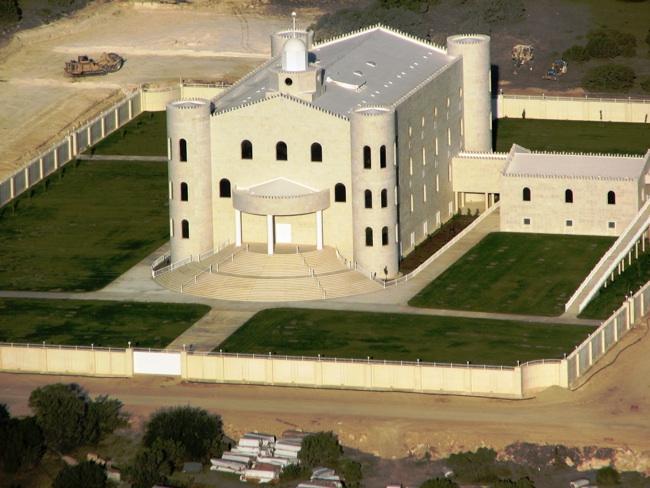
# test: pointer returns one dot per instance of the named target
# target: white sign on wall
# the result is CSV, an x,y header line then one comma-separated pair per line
x,y
165,363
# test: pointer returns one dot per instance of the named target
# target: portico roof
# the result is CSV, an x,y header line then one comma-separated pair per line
x,y
280,196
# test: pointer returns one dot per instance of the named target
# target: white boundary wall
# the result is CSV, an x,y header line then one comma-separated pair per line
x,y
572,108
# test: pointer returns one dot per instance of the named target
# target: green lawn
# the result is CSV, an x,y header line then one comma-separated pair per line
x,y
89,227
146,135
571,136
401,337
612,297
102,323
532,274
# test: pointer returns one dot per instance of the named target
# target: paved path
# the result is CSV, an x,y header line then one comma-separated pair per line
x,y
228,316
98,157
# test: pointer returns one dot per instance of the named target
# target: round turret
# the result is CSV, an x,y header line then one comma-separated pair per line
x,y
477,87
295,56
280,38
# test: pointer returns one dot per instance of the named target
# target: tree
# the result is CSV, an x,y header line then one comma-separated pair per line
x,y
149,467
647,39
320,449
293,471
197,434
576,53
520,483
10,12
474,467
352,472
609,78
607,476
69,418
87,474
21,444
439,483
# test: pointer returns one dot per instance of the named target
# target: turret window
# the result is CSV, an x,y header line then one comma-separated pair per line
x,y
184,192
611,198
246,149
367,159
316,153
382,157
526,195
182,147
185,229
367,199
568,196
384,198
281,151
224,188
369,236
339,193
384,236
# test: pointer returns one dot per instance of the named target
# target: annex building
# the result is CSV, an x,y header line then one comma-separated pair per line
x,y
367,143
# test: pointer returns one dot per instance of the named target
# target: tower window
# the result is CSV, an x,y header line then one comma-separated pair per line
x,y
339,192
185,229
384,198
184,192
367,160
182,146
367,199
281,151
568,196
611,198
224,188
384,236
382,157
526,195
368,236
316,153
246,149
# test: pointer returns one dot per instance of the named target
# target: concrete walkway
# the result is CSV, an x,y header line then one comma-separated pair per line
x,y
227,316
99,157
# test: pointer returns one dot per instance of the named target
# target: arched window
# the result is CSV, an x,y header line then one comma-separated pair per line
x,y
281,151
611,198
384,236
339,192
367,160
368,198
185,229
382,157
368,236
316,153
184,192
384,198
182,146
526,194
246,149
224,188
568,196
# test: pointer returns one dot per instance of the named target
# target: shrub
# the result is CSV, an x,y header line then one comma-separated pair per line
x,y
645,84
320,449
10,12
607,476
609,43
609,78
439,483
576,53
475,467
148,468
293,471
87,474
603,47
352,472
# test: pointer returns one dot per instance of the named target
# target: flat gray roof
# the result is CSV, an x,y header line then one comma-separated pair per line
x,y
575,165
376,66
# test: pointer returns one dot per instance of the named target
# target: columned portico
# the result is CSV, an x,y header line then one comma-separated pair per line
x,y
280,197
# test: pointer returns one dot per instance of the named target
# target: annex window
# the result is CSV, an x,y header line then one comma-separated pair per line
x,y
185,229
367,159
184,192
384,198
339,192
382,157
569,223
568,196
182,148
611,198
526,221
367,199
281,151
368,236
246,149
526,194
224,188
611,225
384,236
316,153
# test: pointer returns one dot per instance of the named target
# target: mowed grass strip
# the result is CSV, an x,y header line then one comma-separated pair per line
x,y
399,337
85,228
571,136
146,135
102,323
530,274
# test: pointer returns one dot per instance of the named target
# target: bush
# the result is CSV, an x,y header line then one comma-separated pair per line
x,y
439,483
87,474
603,47
292,472
609,43
475,467
10,12
352,472
520,483
148,468
609,78
576,53
22,444
320,449
645,84
607,476
194,433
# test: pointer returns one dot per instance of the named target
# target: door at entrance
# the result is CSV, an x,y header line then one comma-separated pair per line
x,y
283,233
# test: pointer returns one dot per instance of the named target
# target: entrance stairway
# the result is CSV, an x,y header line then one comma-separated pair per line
x,y
236,273
610,261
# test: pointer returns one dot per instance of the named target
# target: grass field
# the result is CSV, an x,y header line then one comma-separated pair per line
x,y
88,228
102,323
571,136
401,337
532,274
146,135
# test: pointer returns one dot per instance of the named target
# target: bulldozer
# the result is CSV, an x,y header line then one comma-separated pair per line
x,y
85,66
522,54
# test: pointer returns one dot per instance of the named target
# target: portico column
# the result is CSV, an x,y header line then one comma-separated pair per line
x,y
269,233
319,230
237,228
